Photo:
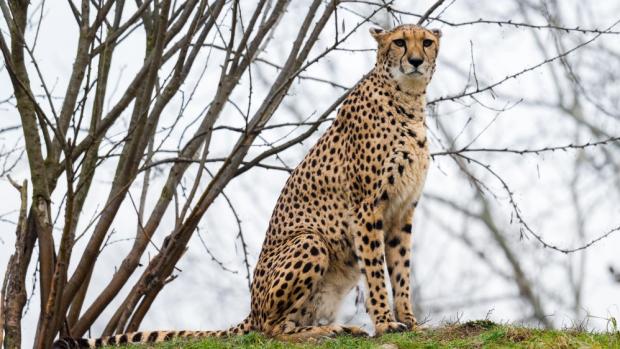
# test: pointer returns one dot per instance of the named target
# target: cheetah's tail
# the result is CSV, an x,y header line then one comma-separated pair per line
x,y
148,337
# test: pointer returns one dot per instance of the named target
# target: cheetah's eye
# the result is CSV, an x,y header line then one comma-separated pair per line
x,y
427,42
399,42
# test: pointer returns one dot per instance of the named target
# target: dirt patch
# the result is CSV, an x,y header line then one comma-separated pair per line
x,y
478,325
464,330
517,335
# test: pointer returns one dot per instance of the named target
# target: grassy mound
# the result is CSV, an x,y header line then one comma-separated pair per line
x,y
472,334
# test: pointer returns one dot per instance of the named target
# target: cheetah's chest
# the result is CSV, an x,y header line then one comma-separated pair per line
x,y
411,161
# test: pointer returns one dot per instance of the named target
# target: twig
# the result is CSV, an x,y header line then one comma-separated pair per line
x,y
430,11
537,151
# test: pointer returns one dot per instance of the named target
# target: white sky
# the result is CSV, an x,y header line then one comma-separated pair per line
x,y
206,297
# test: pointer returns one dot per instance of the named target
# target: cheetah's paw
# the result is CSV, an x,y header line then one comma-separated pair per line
x,y
409,320
389,327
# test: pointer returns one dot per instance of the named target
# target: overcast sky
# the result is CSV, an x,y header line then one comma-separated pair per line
x,y
454,281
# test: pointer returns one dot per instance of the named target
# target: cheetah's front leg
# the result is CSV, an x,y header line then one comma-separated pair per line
x,y
368,236
398,255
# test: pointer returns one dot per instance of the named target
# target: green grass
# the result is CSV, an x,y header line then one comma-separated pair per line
x,y
473,334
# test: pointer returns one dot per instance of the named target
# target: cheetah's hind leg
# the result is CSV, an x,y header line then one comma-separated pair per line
x,y
296,276
310,333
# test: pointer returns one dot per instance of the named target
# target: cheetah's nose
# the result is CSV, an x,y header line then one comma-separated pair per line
x,y
416,61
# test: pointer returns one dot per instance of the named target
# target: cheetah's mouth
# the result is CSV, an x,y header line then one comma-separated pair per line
x,y
414,72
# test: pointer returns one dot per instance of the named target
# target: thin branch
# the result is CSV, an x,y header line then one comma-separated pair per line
x,y
522,221
537,151
430,10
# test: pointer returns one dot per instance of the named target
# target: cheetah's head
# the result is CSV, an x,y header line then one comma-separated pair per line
x,y
408,52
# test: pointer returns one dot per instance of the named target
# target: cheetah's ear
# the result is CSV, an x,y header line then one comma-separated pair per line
x,y
377,33
437,32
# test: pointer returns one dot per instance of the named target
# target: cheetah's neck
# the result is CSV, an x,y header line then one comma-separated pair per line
x,y
411,97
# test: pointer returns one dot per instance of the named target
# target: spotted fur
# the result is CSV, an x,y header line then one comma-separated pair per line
x,y
346,211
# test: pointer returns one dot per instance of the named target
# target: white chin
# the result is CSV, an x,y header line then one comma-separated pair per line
x,y
407,76
414,75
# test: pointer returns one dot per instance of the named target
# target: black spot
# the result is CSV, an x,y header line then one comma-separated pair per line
x,y
407,228
314,251
307,267
152,337
374,245
123,339
61,344
379,224
394,242
137,337
402,251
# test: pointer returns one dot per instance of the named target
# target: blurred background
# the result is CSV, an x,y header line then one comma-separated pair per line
x,y
519,215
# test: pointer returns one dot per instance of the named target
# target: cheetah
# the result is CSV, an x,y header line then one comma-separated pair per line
x,y
346,211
